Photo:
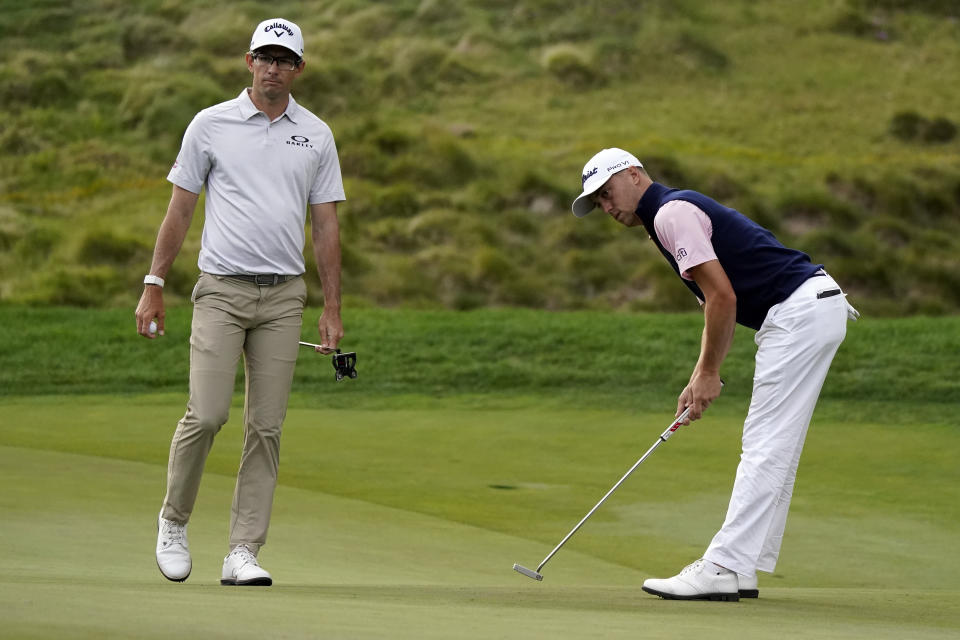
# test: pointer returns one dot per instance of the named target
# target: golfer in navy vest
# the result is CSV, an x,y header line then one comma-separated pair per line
x,y
741,274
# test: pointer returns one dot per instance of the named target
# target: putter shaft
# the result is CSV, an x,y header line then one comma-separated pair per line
x,y
660,440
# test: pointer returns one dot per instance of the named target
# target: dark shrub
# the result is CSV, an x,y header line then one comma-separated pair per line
x,y
106,247
940,130
394,201
84,286
907,125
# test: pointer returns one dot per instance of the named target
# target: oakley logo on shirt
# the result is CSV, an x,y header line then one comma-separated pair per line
x,y
300,141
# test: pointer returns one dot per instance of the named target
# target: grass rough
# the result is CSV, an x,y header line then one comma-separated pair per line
x,y
487,111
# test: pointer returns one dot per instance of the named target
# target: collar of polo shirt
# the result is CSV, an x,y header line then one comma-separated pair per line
x,y
248,109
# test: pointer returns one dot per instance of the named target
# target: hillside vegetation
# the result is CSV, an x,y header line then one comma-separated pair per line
x,y
462,129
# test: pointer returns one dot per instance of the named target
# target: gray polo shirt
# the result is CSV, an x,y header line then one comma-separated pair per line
x,y
260,176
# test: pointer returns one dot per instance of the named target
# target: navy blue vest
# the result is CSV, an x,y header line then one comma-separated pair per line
x,y
762,271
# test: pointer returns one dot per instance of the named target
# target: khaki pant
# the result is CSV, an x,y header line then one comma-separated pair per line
x,y
231,317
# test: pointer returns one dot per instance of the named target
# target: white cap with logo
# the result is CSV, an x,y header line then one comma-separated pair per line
x,y
597,171
280,32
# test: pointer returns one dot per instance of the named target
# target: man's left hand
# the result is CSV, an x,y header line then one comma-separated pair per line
x,y
702,390
330,327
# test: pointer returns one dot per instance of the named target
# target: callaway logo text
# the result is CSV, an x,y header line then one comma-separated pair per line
x,y
278,25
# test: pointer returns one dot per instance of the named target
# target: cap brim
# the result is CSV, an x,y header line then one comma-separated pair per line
x,y
583,204
277,44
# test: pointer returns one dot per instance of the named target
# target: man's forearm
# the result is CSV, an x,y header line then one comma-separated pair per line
x,y
325,232
720,321
328,267
169,240
173,231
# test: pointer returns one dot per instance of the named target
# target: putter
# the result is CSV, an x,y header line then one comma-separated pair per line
x,y
530,573
343,363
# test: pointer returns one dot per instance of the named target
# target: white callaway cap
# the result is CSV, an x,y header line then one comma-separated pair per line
x,y
280,32
597,171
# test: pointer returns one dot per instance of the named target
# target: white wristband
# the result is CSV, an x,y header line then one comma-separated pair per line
x,y
157,280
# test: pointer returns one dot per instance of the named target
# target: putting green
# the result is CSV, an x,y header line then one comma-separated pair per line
x,y
78,535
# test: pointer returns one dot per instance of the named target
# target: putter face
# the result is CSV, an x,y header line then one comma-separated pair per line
x,y
530,573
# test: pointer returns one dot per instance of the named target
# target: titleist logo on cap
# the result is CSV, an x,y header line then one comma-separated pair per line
x,y
587,175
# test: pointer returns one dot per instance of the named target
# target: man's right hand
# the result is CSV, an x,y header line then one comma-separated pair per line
x,y
173,230
150,308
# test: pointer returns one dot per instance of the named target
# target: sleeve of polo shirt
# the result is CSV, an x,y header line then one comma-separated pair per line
x,y
685,231
193,162
328,185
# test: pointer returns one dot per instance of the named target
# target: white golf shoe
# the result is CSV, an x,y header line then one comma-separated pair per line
x,y
701,580
748,586
240,568
173,552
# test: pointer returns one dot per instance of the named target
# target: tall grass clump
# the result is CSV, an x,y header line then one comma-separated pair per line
x,y
572,65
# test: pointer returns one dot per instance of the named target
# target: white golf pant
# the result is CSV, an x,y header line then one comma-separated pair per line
x,y
795,346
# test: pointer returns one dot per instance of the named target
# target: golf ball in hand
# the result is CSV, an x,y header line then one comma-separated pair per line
x,y
153,327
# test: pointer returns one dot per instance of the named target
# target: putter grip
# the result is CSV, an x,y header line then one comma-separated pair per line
x,y
675,425
678,422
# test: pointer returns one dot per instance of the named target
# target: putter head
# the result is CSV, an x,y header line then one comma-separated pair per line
x,y
530,573
345,364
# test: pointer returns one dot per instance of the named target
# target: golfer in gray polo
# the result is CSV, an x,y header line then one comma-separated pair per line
x,y
264,161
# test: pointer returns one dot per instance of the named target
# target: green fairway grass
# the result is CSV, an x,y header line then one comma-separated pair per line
x,y
405,523
469,442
